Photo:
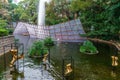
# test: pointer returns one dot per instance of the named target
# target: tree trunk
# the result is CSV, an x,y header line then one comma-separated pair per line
x,y
114,43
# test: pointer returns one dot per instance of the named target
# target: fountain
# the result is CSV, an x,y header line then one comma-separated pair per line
x,y
41,12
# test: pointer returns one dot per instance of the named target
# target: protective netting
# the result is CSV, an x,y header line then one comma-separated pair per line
x,y
67,32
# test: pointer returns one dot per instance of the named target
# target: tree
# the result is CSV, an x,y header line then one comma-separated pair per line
x,y
77,6
3,23
28,11
104,16
56,12
100,18
64,10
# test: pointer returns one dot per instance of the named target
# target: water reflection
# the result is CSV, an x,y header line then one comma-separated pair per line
x,y
113,73
86,67
33,70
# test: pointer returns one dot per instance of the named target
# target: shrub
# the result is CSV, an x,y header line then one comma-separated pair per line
x,y
37,49
88,48
48,42
3,23
10,30
3,32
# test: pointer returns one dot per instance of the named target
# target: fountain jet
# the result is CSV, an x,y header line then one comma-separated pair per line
x,y
41,12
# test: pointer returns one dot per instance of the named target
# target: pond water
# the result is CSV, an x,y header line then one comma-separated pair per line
x,y
86,67
33,68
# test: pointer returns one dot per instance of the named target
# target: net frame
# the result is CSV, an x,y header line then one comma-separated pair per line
x,y
65,32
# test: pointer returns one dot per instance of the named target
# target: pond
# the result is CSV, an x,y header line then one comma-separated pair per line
x,y
86,67
33,69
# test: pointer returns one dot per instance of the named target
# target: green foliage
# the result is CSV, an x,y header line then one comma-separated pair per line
x,y
88,48
12,6
104,15
41,47
63,10
3,32
3,23
48,42
57,12
37,49
10,1
11,9
17,12
26,11
24,17
10,30
6,12
78,5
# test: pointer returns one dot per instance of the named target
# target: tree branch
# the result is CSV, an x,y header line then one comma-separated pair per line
x,y
114,43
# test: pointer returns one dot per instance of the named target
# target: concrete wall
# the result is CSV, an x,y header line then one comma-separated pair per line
x,y
5,41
